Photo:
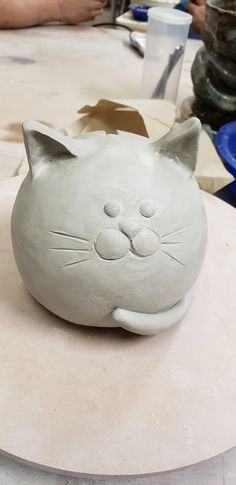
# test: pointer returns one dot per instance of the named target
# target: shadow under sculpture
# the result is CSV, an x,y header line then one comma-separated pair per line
x,y
110,230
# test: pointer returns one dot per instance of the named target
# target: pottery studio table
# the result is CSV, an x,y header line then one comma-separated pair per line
x,y
47,73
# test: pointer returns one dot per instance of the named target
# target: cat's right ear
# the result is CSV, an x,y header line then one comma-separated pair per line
x,y
181,143
44,145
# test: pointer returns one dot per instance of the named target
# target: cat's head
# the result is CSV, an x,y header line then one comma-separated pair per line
x,y
117,193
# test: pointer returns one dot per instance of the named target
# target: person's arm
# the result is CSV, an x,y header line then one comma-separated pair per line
x,y
26,13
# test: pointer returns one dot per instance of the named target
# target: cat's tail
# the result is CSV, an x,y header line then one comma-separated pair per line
x,y
151,323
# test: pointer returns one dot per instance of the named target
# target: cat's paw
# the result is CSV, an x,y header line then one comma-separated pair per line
x,y
151,323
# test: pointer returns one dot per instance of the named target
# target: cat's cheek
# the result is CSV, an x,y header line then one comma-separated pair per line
x,y
111,244
146,243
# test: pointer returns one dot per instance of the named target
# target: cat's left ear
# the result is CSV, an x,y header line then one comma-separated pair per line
x,y
45,145
182,143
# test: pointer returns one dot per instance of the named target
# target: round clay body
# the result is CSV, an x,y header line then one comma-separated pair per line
x,y
105,223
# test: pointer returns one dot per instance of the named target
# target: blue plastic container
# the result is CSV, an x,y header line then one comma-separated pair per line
x,y
139,12
225,142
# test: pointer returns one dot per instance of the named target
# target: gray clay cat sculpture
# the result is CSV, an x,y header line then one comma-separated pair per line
x,y
110,230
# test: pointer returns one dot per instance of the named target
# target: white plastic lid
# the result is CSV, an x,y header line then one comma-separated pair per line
x,y
169,16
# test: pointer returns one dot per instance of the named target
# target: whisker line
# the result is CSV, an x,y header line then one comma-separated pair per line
x,y
174,242
74,262
70,249
173,257
177,231
61,233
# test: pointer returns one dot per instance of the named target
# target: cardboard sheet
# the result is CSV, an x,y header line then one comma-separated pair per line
x,y
152,118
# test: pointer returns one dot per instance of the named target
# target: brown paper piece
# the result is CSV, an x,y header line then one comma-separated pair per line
x,y
12,156
210,171
152,118
110,117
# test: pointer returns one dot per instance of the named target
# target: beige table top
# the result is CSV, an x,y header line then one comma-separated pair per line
x,y
47,73
41,68
102,402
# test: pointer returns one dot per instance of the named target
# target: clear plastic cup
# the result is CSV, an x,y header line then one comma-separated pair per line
x,y
166,38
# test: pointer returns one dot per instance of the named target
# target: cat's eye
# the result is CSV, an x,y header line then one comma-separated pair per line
x,y
147,208
112,209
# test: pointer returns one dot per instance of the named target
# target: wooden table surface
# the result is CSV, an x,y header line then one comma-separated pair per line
x,y
47,73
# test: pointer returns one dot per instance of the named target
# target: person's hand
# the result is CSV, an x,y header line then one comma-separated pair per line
x,y
197,9
25,13
76,11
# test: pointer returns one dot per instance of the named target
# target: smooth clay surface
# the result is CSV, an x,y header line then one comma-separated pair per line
x,y
105,402
110,230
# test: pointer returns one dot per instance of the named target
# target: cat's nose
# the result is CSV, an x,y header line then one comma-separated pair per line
x,y
130,227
